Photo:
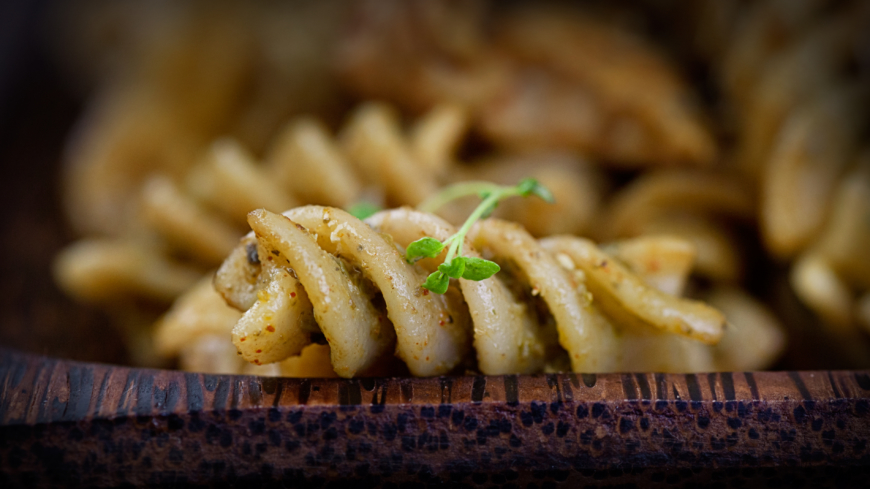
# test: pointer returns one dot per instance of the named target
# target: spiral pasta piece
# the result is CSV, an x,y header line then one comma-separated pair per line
x,y
507,337
659,192
815,145
200,312
802,71
664,262
431,331
374,143
304,156
282,310
343,311
106,270
718,251
624,296
588,340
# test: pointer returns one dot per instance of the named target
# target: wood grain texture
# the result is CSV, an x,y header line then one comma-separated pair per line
x,y
98,425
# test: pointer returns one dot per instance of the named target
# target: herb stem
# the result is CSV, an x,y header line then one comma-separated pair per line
x,y
455,191
455,265
485,206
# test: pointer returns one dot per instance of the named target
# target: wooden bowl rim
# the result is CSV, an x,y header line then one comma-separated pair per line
x,y
150,427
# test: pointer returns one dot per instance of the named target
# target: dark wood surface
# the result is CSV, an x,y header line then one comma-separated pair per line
x,y
85,424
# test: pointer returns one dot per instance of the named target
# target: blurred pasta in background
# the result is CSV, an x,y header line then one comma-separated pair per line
x,y
717,149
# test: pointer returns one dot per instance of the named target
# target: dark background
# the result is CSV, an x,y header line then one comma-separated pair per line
x,y
36,112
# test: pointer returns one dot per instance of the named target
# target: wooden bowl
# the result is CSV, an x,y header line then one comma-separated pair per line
x,y
93,425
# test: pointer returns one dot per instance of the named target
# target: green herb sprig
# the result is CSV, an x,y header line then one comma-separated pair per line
x,y
455,265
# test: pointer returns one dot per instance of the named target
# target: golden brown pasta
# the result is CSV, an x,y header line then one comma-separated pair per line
x,y
111,270
229,179
201,311
846,238
814,147
660,191
578,188
373,141
187,225
522,89
507,337
627,298
358,338
589,340
304,156
801,72
753,337
664,262
719,256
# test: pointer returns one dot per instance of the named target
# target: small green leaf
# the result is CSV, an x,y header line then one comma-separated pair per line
x,y
479,269
437,282
454,268
425,247
530,186
362,210
526,185
544,193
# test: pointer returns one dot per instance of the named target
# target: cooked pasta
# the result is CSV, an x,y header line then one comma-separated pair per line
x,y
523,89
198,215
319,271
177,221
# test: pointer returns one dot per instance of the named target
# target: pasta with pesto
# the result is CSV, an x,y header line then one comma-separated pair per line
x,y
317,272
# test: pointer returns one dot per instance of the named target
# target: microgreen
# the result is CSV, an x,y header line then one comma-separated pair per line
x,y
455,265
363,209
423,248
